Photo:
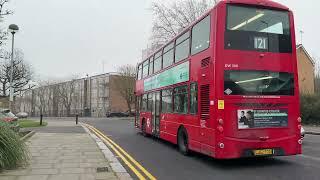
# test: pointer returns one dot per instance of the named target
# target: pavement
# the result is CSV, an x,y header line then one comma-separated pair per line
x,y
163,160
65,151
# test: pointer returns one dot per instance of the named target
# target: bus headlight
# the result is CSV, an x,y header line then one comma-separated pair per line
x,y
221,145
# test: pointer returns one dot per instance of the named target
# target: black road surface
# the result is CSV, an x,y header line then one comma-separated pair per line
x,y
163,160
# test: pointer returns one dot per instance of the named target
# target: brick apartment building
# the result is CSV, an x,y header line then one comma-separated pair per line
x,y
306,71
92,96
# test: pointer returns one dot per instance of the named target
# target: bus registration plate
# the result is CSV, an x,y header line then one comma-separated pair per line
x,y
262,152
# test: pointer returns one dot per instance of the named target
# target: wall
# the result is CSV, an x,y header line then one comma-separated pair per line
x,y
99,95
118,103
305,72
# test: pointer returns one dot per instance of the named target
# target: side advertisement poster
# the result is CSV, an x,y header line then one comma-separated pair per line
x,y
177,74
251,118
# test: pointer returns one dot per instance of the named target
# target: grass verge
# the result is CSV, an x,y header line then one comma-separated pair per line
x,y
31,123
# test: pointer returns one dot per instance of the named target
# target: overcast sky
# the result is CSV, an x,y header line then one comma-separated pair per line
x,y
61,38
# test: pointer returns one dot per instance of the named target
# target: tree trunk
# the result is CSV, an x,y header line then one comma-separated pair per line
x,y
129,106
68,111
4,93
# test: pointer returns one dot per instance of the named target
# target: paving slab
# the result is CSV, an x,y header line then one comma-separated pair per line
x,y
64,177
33,177
8,178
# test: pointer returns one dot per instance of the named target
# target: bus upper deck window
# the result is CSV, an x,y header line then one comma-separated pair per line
x,y
200,36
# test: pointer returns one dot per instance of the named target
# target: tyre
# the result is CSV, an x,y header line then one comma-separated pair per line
x,y
183,143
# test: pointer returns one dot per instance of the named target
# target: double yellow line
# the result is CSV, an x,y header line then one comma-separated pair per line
x,y
142,173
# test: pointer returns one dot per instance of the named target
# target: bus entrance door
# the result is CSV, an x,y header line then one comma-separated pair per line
x,y
156,114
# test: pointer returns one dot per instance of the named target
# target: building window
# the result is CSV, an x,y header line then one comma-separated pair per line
x,y
193,98
139,72
145,71
157,62
166,101
150,101
181,99
151,66
200,36
168,55
182,47
144,103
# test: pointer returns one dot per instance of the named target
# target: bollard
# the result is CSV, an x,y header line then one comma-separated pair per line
x,y
77,116
41,116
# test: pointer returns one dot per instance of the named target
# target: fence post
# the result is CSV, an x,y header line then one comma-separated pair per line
x,y
41,116
77,117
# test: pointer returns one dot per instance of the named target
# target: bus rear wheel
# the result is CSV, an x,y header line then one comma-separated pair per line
x,y
183,142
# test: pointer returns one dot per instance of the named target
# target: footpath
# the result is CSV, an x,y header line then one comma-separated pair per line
x,y
64,151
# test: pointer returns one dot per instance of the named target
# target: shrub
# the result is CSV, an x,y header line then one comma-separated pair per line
x,y
13,151
12,125
310,109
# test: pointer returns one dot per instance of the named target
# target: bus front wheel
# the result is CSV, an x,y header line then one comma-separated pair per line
x,y
183,141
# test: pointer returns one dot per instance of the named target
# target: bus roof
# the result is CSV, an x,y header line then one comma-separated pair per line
x,y
265,3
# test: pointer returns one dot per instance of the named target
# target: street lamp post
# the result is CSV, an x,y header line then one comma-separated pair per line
x,y
13,29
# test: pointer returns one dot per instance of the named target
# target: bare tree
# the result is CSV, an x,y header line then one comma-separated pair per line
x,y
3,12
66,93
170,19
125,83
22,73
40,103
23,101
44,96
3,37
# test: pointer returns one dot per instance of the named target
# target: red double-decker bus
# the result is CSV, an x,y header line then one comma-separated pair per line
x,y
227,86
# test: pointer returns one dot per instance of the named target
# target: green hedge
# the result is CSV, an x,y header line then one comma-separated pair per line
x,y
13,151
310,109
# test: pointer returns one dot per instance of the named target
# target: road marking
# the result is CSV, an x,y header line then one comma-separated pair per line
x,y
139,175
149,175
113,145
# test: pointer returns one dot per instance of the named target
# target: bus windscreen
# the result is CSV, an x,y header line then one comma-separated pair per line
x,y
258,83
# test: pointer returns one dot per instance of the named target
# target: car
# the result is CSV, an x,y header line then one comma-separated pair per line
x,y
117,114
130,114
22,115
303,132
7,117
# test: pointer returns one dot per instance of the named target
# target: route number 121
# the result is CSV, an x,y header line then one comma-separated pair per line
x,y
261,43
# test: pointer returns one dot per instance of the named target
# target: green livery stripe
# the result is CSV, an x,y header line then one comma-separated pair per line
x,y
169,77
